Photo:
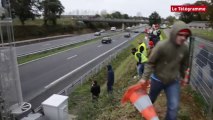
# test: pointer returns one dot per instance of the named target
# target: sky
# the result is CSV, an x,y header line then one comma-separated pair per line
x,y
131,7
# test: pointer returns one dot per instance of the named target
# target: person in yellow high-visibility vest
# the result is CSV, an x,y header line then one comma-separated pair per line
x,y
141,59
142,47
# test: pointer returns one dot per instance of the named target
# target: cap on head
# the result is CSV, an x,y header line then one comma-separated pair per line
x,y
185,31
179,27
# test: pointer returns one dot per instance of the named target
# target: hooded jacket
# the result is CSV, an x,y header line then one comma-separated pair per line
x,y
95,90
110,76
168,61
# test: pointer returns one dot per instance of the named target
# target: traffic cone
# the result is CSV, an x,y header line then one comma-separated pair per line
x,y
186,77
139,98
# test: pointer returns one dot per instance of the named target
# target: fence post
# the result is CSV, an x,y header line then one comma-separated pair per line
x,y
191,52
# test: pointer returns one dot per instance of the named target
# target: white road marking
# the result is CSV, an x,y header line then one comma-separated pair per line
x,y
99,45
53,54
46,44
70,73
72,57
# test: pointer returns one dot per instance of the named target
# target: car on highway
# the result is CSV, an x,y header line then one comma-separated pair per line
x,y
106,40
136,31
127,35
128,29
113,29
102,31
97,33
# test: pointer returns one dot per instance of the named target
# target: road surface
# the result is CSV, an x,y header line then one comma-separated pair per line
x,y
33,48
38,78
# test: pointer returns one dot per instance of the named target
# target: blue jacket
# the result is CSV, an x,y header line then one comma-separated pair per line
x,y
110,76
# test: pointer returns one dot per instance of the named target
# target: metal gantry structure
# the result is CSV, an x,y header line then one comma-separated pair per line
x,y
11,100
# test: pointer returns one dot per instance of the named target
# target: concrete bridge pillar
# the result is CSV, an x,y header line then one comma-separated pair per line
x,y
123,26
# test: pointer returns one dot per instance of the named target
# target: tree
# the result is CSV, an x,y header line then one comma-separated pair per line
x,y
117,15
195,16
97,16
25,9
52,9
170,19
125,16
154,18
210,13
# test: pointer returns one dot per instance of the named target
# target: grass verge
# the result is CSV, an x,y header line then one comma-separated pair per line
x,y
28,58
206,34
109,108
80,103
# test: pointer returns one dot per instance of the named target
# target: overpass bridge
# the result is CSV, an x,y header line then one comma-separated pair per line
x,y
108,20
112,20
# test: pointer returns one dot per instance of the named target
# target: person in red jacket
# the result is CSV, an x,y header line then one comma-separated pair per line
x,y
151,46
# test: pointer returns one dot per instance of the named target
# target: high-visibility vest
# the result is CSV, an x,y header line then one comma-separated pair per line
x,y
138,97
161,37
145,48
143,57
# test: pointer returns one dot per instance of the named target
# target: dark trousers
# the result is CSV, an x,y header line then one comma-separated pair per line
x,y
109,88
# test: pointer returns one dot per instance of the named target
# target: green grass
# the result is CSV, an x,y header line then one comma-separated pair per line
x,y
25,59
109,108
206,34
80,100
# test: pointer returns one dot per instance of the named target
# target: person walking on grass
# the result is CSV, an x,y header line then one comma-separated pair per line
x,y
110,79
95,90
166,67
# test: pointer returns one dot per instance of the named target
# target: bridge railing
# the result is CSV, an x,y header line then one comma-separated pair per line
x,y
201,76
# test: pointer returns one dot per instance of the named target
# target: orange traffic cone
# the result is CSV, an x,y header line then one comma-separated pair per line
x,y
137,95
186,78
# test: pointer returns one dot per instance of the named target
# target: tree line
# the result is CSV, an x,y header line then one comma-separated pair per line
x,y
50,10
198,16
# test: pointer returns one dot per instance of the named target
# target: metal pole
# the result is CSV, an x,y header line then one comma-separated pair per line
x,y
191,51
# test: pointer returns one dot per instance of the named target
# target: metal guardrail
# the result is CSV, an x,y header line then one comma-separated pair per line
x,y
201,76
24,42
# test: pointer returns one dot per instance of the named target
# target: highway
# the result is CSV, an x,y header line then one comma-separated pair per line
x,y
42,78
42,46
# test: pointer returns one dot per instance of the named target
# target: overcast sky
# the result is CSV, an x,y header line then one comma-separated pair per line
x,y
131,7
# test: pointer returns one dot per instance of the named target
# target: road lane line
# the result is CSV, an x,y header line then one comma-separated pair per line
x,y
99,45
54,54
72,57
70,73
46,44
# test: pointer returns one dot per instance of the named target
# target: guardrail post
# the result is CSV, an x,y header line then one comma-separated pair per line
x,y
81,81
